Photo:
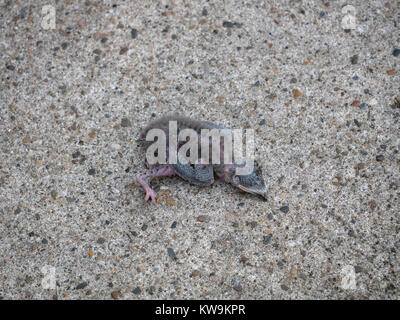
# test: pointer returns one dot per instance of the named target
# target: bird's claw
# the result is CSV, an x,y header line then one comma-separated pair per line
x,y
150,194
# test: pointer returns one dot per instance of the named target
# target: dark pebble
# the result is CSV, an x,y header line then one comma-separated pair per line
x,y
256,84
96,59
322,14
104,40
284,287
204,12
238,288
284,209
241,204
91,172
137,290
262,122
125,122
357,269
127,169
354,59
10,67
358,124
101,240
396,52
355,78
44,241
380,158
363,105
252,224
81,286
173,225
76,154
64,45
293,80
18,210
115,294
123,50
151,290
144,227
31,234
134,33
171,253
227,24
267,239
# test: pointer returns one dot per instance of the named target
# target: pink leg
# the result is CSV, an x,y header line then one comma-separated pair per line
x,y
144,179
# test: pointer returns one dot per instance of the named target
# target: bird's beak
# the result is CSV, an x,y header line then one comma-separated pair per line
x,y
262,192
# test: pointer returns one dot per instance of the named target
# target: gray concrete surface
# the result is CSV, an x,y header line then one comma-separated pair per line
x,y
322,102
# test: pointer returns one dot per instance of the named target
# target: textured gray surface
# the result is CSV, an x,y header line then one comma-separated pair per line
x,y
73,101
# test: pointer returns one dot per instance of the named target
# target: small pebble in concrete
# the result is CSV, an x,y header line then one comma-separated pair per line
x,y
115,294
267,239
81,285
354,59
125,122
137,290
227,24
171,253
284,209
363,105
134,33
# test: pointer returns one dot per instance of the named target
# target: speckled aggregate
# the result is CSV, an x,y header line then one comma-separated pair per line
x,y
322,101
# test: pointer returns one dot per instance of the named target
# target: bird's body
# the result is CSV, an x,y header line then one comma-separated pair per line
x,y
202,171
